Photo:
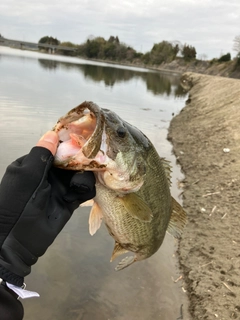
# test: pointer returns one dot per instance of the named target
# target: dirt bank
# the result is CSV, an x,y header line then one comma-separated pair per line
x,y
206,141
228,69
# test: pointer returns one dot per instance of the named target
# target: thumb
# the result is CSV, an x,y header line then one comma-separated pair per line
x,y
49,141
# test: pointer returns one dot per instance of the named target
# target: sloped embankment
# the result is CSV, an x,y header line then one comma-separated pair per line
x,y
206,141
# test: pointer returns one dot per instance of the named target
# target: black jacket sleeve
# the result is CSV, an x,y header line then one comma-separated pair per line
x,y
36,201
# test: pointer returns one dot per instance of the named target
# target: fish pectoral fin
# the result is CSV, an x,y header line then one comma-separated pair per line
x,y
136,207
178,220
124,263
95,219
88,203
117,251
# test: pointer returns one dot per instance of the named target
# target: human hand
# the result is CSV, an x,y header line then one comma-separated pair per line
x,y
36,201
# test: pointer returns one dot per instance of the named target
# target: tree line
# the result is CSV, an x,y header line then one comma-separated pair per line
x,y
114,50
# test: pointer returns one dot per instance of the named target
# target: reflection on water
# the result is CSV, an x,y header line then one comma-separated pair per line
x,y
75,278
156,82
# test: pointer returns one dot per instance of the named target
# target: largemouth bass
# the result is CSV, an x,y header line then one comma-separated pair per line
x,y
132,181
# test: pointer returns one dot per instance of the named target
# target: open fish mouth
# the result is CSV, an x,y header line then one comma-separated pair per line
x,y
86,142
82,139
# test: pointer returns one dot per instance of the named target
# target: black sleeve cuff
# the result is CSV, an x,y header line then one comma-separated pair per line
x,y
10,277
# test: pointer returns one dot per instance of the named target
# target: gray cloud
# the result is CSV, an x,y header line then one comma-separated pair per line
x,y
208,25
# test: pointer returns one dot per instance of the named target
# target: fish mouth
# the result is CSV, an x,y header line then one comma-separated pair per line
x,y
82,139
86,144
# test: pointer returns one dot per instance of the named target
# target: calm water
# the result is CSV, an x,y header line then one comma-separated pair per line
x,y
75,278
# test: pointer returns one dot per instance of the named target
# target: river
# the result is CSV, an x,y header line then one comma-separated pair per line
x,y
75,278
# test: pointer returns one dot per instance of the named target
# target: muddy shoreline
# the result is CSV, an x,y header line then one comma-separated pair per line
x,y
206,141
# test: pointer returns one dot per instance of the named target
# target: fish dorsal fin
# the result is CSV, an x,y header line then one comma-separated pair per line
x,y
178,220
136,207
117,251
168,169
95,219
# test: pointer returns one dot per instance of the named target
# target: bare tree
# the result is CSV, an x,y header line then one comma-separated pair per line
x,y
91,37
202,56
236,44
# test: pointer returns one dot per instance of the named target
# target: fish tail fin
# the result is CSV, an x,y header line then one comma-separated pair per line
x,y
124,263
178,220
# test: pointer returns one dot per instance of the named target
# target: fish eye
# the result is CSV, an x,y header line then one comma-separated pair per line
x,y
121,131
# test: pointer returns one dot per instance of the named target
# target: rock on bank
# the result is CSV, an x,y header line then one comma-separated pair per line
x,y
206,141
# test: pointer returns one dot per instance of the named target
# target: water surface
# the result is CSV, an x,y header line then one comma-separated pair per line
x,y
75,278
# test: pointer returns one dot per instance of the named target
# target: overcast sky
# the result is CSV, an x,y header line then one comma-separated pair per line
x,y
208,25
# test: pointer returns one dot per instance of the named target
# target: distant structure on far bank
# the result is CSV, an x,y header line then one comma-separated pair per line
x,y
17,44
